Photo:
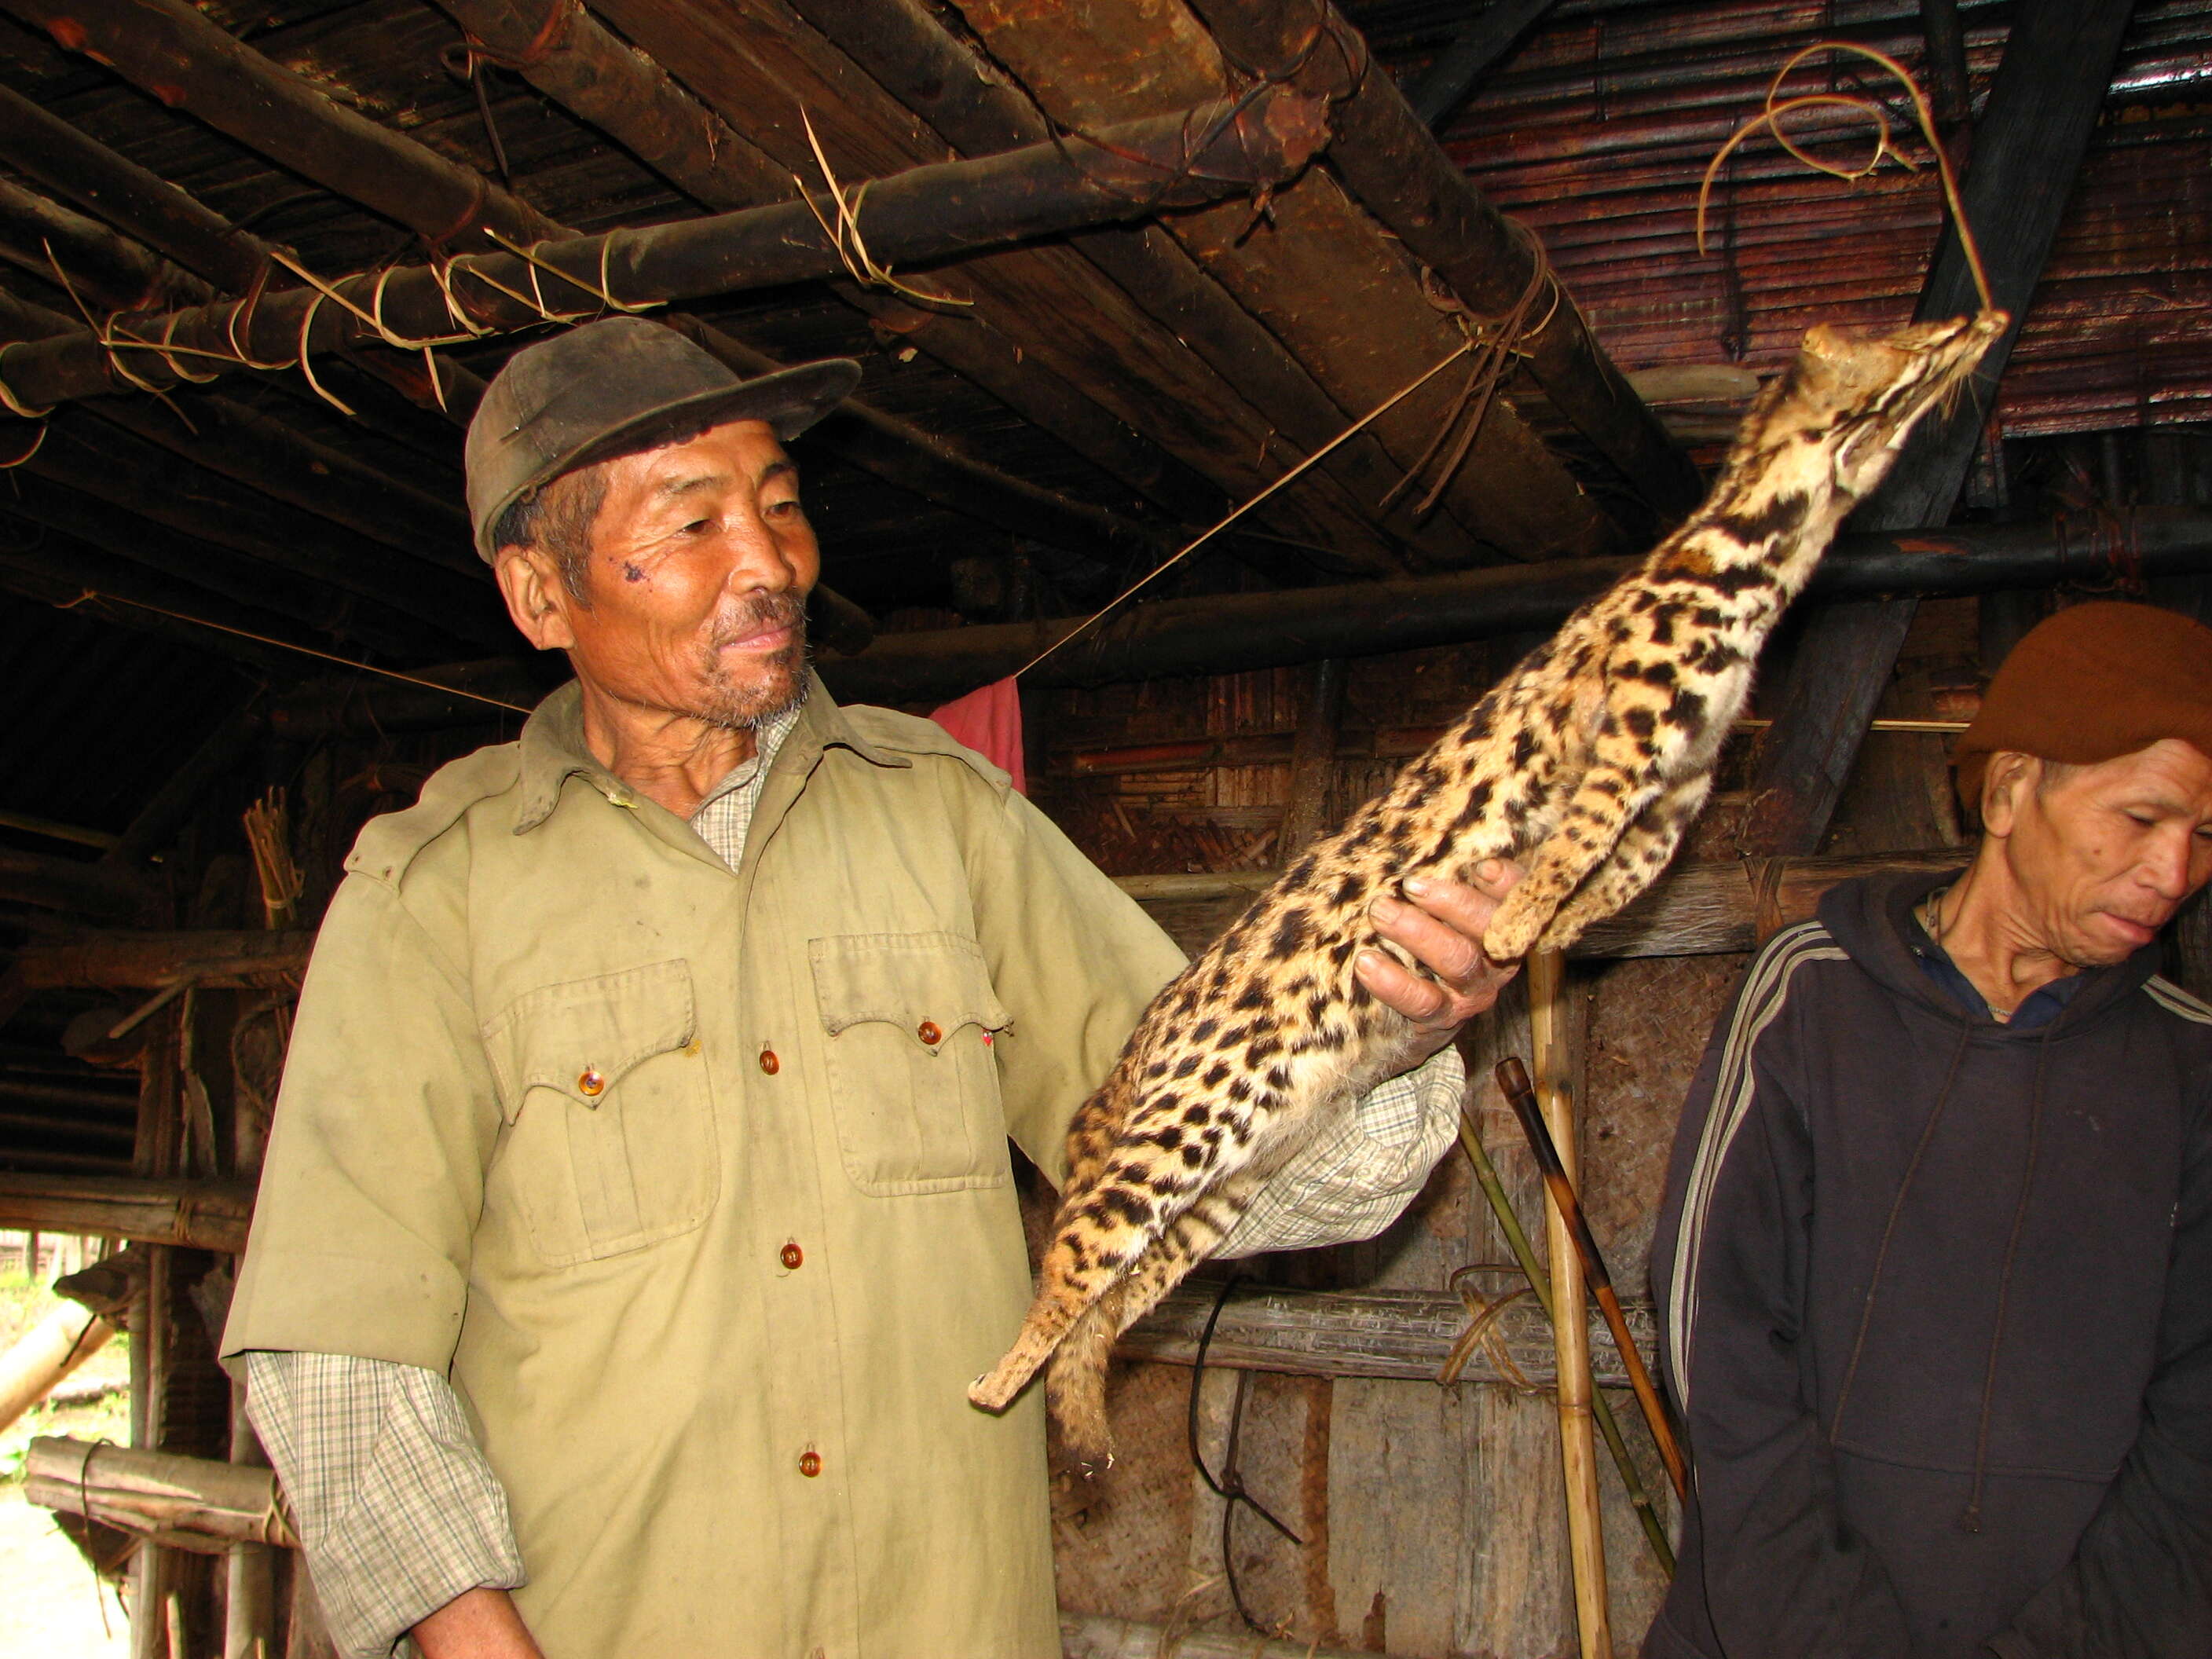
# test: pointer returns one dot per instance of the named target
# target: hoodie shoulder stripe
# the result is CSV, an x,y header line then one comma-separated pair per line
x,y
2175,1000
1765,993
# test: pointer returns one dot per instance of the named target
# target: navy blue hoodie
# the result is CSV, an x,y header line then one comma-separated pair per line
x,y
1935,1297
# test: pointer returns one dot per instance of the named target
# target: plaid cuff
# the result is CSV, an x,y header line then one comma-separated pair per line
x,y
398,1511
1353,1183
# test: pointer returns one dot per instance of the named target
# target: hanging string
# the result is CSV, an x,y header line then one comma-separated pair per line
x,y
1776,108
1208,534
1497,342
91,593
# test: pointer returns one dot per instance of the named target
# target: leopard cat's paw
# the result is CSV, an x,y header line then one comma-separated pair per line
x,y
1513,930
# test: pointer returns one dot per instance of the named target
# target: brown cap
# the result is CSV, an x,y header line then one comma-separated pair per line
x,y
613,387
2091,684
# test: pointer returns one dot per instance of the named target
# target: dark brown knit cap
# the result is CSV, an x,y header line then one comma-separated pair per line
x,y
2092,683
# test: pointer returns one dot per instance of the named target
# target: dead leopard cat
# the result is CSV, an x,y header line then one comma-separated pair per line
x,y
1586,763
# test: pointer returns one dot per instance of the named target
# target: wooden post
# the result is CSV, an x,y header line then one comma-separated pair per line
x,y
1313,760
1548,1018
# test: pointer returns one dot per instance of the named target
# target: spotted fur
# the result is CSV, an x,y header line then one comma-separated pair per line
x,y
1586,763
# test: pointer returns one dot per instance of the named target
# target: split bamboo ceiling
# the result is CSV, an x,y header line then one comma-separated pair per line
x,y
1102,394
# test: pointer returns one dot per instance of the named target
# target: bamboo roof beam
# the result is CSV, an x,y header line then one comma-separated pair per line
x,y
192,64
1220,634
878,443
1399,173
759,66
1324,279
91,457
1223,634
919,63
39,577
237,442
926,213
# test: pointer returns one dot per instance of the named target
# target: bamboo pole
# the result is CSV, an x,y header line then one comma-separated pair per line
x,y
1547,1018
45,1354
1540,1282
926,213
192,1503
1514,1080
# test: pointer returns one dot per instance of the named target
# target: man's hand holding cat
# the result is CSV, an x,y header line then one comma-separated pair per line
x,y
1441,929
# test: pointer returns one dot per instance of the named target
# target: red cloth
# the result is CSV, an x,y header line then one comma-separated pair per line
x,y
989,721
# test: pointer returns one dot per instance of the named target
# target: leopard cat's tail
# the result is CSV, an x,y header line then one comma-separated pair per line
x,y
1078,1269
1075,1383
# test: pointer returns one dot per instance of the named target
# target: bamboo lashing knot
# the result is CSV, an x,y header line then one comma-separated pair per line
x,y
844,233
1482,1330
1770,117
1496,342
15,405
602,293
552,36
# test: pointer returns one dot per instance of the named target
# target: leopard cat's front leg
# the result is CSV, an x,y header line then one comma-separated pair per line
x,y
1618,785
1642,853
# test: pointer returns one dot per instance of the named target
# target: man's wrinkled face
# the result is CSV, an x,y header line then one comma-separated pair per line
x,y
694,598
2105,854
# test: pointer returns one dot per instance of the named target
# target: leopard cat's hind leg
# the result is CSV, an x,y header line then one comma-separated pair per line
x,y
1076,1381
1615,789
1636,858
1108,1223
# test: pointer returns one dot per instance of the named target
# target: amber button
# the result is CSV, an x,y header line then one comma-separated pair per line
x,y
809,1462
790,1255
769,1063
591,1084
928,1033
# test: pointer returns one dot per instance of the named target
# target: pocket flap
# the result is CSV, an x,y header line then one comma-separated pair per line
x,y
904,980
582,1036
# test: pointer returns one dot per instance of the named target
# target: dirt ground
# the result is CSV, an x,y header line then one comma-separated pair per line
x,y
50,1605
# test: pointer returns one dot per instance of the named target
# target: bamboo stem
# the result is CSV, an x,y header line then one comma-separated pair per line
x,y
1540,1282
1514,1080
1571,1318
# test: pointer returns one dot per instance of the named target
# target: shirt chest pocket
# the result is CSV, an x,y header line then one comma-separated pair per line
x,y
610,1143
909,1020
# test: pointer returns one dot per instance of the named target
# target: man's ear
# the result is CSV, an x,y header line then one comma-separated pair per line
x,y
536,598
2005,784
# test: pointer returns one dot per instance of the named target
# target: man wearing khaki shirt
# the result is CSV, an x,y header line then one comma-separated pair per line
x,y
639,1203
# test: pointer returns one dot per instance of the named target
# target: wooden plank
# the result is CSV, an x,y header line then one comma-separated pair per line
x,y
1325,280
59,883
1694,909
1404,1334
148,961
198,1215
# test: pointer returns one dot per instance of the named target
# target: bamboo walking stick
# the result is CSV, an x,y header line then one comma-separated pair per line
x,y
1513,1080
1540,1283
1570,1321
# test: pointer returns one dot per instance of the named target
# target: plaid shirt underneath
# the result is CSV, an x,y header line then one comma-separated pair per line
x,y
399,1513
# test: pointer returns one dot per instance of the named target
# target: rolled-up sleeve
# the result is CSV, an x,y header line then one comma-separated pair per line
x,y
1353,1183
373,1182
398,1511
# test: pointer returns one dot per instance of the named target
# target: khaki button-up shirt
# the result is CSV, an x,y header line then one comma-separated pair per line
x,y
697,1181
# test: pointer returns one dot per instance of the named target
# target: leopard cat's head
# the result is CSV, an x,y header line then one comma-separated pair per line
x,y
1853,398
